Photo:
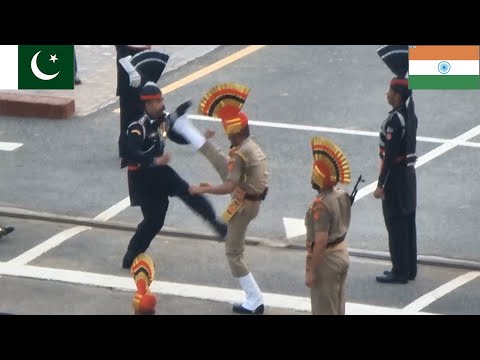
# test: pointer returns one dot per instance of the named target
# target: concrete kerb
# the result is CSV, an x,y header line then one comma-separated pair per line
x,y
254,241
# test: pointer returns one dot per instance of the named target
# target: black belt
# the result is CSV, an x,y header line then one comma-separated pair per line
x,y
330,245
335,243
257,197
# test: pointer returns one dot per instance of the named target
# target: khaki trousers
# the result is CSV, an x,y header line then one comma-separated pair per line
x,y
328,293
238,224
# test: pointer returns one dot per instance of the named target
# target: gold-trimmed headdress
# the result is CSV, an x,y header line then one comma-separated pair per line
x,y
225,101
330,166
143,271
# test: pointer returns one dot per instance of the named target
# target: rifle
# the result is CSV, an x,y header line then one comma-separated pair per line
x,y
355,189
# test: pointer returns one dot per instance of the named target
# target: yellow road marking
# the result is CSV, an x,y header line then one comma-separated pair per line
x,y
209,69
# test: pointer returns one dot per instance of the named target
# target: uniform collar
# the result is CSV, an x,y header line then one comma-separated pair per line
x,y
322,193
394,110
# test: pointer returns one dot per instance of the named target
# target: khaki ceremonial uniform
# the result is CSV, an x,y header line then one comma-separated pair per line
x,y
247,166
330,212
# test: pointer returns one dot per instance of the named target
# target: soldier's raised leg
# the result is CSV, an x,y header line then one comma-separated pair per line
x,y
209,149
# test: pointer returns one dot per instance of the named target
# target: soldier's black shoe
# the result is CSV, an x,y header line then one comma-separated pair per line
x,y
239,309
6,230
179,111
410,277
220,229
128,260
391,279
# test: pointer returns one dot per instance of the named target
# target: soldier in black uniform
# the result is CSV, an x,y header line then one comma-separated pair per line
x,y
397,183
151,181
6,230
128,82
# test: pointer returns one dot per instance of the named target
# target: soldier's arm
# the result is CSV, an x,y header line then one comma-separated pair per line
x,y
321,225
134,146
235,171
392,148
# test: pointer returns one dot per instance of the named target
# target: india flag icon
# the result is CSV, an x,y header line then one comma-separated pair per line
x,y
444,67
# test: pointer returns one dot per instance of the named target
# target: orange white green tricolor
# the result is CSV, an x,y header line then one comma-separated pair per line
x,y
444,67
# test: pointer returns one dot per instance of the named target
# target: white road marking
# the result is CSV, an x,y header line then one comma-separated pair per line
x,y
332,130
278,301
113,211
47,245
63,236
327,130
451,144
9,146
294,227
427,299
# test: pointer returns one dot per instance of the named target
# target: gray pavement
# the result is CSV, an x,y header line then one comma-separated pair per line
x,y
71,168
61,161
196,262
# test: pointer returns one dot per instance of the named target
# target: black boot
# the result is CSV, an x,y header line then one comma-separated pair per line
x,y
203,207
239,309
5,231
391,278
410,276
128,259
179,111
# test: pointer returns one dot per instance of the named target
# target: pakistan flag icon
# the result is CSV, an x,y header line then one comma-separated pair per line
x,y
46,67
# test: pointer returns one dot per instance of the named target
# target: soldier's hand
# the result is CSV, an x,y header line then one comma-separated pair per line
x,y
209,134
196,190
163,160
378,193
309,279
135,79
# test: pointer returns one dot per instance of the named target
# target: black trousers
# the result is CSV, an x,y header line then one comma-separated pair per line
x,y
155,209
402,242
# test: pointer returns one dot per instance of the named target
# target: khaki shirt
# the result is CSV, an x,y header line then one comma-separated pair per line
x,y
248,167
330,212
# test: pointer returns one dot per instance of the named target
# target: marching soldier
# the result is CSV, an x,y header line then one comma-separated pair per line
x,y
244,174
327,222
6,230
397,184
151,181
128,83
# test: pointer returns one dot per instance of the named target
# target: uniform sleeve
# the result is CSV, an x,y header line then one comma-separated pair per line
x,y
393,142
235,168
134,147
322,218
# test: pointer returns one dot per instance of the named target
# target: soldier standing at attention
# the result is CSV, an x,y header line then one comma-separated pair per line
x,y
397,182
327,222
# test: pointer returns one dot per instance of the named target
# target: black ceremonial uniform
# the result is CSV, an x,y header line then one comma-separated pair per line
x,y
151,186
131,108
398,179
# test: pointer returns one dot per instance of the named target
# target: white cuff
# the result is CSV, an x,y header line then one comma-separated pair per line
x,y
125,62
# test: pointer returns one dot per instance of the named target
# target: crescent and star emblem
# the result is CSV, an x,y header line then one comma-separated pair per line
x,y
37,72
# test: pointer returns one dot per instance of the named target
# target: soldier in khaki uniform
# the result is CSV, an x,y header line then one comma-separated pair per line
x,y
327,222
244,174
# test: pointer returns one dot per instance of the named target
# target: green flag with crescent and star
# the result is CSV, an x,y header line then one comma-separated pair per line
x,y
46,67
